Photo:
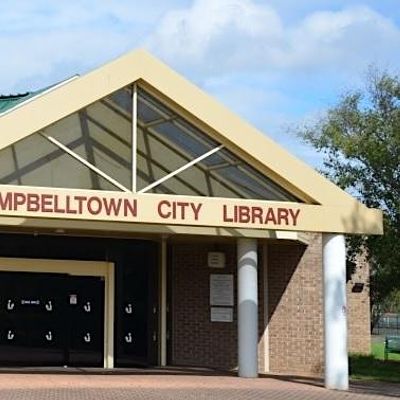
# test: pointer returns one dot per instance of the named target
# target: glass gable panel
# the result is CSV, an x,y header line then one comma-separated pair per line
x,y
100,134
47,166
105,130
166,142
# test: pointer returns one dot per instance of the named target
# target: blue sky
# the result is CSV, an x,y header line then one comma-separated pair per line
x,y
277,63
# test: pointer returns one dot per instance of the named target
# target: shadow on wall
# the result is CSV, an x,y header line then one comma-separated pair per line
x,y
295,307
282,262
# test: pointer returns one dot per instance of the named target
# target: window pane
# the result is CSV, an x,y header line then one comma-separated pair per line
x,y
103,132
100,133
166,142
47,166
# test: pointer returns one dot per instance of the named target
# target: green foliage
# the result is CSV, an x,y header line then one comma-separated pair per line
x,y
360,140
392,302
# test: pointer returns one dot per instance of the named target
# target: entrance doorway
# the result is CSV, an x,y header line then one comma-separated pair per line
x,y
56,313
51,319
129,271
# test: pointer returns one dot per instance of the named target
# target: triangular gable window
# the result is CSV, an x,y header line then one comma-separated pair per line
x,y
92,149
167,141
99,134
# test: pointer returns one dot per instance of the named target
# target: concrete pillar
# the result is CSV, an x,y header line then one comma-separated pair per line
x,y
247,308
335,312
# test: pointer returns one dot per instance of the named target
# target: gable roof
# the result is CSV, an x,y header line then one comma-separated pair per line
x,y
11,101
227,128
8,102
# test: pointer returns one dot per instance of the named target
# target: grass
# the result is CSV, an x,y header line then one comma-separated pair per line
x,y
374,367
377,352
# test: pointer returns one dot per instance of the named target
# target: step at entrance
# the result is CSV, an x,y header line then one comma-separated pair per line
x,y
51,320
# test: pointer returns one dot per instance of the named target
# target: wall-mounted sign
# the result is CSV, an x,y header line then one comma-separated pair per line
x,y
216,259
154,208
221,290
221,314
92,205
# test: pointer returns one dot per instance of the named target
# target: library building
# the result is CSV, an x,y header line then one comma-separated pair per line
x,y
143,224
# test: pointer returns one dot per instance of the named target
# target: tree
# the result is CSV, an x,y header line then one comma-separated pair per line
x,y
360,140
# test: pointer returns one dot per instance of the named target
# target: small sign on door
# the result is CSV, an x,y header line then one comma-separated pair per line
x,y
73,299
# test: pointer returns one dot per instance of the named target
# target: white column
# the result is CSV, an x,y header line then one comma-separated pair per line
x,y
247,308
266,308
335,312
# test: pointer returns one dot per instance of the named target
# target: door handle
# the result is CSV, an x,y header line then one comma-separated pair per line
x,y
128,338
128,308
49,306
10,305
87,338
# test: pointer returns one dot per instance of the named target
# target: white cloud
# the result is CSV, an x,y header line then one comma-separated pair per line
x,y
351,38
43,41
213,31
204,39
49,58
215,37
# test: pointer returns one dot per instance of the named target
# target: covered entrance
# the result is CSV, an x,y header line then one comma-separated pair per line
x,y
51,319
133,176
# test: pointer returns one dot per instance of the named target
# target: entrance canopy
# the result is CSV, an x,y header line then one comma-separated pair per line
x,y
134,142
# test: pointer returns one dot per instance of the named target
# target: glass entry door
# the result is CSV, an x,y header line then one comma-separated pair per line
x,y
51,319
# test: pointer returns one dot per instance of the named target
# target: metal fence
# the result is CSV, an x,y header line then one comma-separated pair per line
x,y
388,324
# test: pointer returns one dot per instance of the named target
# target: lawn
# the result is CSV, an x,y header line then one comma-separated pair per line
x,y
377,352
374,367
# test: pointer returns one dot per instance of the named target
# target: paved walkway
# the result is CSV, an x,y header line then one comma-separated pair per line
x,y
176,386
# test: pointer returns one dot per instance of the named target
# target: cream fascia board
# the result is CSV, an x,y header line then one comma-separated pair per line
x,y
73,267
123,230
227,128
93,205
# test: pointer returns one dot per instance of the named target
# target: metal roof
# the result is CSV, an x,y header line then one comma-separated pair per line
x,y
11,101
7,102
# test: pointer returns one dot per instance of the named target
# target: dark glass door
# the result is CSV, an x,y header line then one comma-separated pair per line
x,y
134,330
136,310
31,314
51,319
85,316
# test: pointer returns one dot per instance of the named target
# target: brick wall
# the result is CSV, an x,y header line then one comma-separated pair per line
x,y
295,329
196,340
295,307
359,309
